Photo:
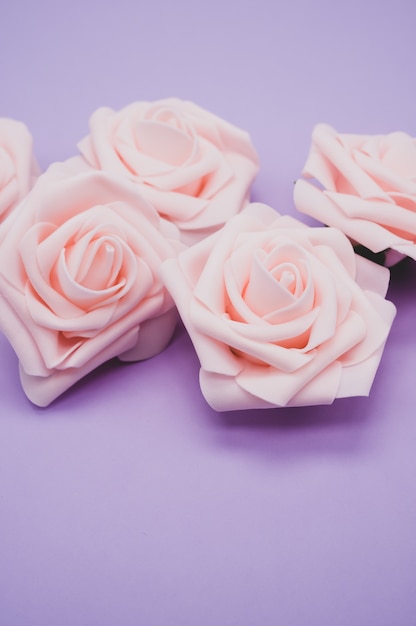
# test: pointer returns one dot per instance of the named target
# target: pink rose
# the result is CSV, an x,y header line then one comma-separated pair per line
x,y
79,278
195,168
368,187
18,167
279,313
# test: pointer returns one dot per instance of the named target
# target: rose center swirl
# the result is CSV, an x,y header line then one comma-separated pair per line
x,y
93,270
273,283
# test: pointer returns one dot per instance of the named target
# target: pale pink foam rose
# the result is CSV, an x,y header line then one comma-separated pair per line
x,y
195,168
18,166
80,278
367,188
280,314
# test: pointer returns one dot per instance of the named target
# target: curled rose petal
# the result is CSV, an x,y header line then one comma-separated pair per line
x,y
18,167
80,278
280,314
195,168
367,189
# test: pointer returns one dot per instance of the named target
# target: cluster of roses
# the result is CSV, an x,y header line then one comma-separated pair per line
x,y
99,253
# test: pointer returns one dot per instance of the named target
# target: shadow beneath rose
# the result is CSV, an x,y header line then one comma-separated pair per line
x,y
348,426
402,277
115,376
345,427
345,410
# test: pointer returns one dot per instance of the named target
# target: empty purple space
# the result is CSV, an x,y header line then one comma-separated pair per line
x,y
129,501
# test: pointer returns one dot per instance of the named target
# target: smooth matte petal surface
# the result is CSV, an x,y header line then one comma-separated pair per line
x,y
370,181
196,168
129,501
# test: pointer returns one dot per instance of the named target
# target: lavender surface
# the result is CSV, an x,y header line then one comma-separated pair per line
x,y
129,501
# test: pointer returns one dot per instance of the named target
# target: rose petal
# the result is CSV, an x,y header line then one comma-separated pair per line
x,y
80,275
312,201
278,387
225,287
194,167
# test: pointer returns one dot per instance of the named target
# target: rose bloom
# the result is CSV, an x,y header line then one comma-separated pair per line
x,y
194,167
280,314
368,188
79,278
18,167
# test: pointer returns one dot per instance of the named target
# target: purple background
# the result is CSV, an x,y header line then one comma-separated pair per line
x,y
129,501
